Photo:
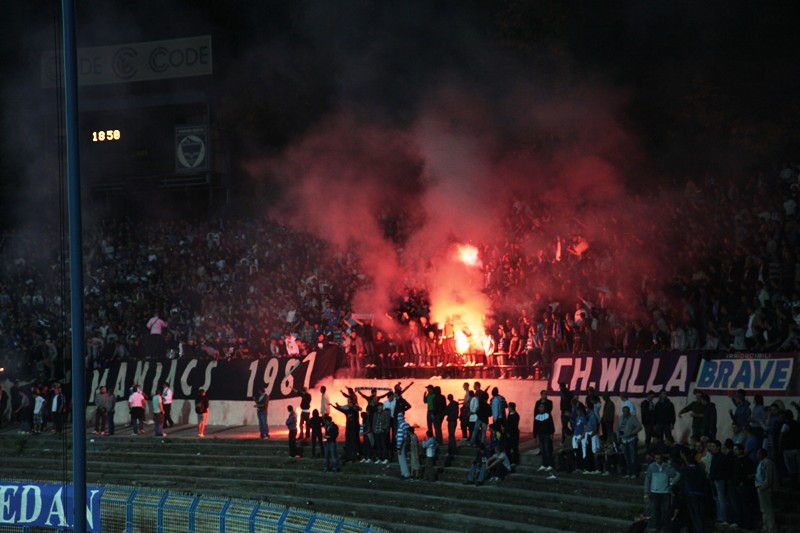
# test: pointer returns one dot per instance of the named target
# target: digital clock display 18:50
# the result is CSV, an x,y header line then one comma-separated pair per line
x,y
107,135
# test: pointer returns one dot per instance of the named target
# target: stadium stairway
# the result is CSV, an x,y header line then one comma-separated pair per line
x,y
226,465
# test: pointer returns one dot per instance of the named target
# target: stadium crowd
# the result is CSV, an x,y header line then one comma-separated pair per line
x,y
690,482
233,288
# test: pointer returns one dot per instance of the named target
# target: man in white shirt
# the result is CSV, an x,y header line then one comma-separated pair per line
x,y
136,403
155,341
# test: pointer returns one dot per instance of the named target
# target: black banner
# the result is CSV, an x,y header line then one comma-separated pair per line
x,y
635,374
222,380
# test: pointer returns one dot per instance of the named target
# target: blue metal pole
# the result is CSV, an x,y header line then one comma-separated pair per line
x,y
75,265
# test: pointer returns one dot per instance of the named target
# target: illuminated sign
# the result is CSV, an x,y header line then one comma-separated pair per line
x,y
106,135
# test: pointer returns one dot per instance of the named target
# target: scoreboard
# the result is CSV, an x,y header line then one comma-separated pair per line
x,y
140,143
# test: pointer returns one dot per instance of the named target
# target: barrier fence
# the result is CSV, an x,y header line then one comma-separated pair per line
x,y
145,510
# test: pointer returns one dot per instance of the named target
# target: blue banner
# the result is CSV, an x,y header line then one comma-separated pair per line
x,y
46,505
634,374
755,373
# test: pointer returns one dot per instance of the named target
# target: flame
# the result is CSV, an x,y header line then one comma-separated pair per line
x,y
468,255
457,297
462,342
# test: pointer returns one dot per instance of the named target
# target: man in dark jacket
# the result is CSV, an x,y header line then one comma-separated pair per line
x,y
452,414
709,417
648,414
664,416
331,434
566,410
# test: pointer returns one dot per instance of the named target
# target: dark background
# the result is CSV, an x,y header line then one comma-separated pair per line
x,y
704,87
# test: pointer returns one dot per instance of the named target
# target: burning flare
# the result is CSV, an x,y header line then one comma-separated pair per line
x,y
468,255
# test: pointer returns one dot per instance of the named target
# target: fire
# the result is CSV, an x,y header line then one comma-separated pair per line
x,y
457,298
462,342
468,255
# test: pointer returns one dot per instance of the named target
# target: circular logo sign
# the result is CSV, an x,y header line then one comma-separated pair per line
x,y
192,152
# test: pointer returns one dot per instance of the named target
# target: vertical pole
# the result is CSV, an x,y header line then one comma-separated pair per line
x,y
75,265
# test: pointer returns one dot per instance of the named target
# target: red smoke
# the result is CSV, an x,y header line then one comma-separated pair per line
x,y
465,171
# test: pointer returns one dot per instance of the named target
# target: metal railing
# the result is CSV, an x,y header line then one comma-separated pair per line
x,y
146,510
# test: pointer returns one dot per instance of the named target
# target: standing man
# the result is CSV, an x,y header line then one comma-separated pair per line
x,y
658,481
664,416
305,411
403,441
111,406
155,342
709,417
158,414
566,410
498,405
331,463
543,430
629,428
389,405
201,408
512,430
548,408
58,407
429,398
440,406
464,413
23,412
452,415
324,403
262,404
291,425
166,396
38,411
695,410
608,417
648,417
101,412
136,404
766,480
719,471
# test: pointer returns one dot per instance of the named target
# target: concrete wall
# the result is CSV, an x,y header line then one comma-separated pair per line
x,y
523,392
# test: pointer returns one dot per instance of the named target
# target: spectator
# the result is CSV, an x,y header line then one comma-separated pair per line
x,y
201,406
430,445
498,465
766,483
291,425
512,433
331,463
629,428
262,412
452,416
136,402
664,413
477,470
709,417
696,410
659,479
543,430
158,414
381,422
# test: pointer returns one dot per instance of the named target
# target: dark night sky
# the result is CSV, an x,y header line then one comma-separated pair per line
x,y
702,87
